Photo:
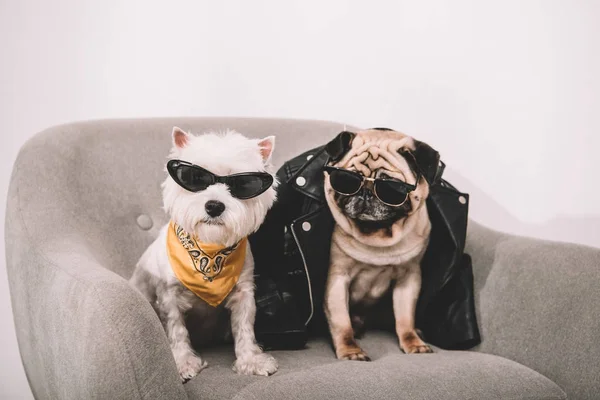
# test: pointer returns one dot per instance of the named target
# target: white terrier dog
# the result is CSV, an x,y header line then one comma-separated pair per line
x,y
218,193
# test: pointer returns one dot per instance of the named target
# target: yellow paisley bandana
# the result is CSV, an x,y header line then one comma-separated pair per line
x,y
210,271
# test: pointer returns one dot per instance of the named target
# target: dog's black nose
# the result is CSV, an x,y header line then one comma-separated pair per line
x,y
214,208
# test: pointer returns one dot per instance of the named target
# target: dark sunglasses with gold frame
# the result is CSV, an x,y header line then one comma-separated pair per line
x,y
392,192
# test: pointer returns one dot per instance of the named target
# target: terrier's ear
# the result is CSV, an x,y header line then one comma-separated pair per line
x,y
339,145
180,138
266,146
427,161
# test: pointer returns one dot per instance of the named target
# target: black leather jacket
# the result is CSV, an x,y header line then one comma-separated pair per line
x,y
291,252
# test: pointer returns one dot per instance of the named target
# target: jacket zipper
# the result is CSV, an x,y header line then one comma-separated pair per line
x,y
312,307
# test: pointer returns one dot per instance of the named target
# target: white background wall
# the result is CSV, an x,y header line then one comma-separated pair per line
x,y
508,92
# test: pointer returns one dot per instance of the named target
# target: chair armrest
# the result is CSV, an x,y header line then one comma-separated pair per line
x,y
538,303
83,332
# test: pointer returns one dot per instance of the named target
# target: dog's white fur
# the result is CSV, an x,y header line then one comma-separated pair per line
x,y
224,154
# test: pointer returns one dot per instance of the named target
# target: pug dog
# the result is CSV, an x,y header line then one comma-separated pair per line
x,y
376,186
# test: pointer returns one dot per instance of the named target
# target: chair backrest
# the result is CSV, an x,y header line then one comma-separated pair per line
x,y
98,182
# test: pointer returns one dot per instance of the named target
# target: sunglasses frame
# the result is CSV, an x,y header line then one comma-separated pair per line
x,y
370,183
173,165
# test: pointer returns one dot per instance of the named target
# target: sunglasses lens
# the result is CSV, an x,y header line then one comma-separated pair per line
x,y
248,186
393,193
191,178
345,182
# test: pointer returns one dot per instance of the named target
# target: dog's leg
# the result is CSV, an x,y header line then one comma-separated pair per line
x,y
358,324
358,315
250,360
338,318
169,301
405,295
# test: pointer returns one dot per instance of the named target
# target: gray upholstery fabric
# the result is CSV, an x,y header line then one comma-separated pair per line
x,y
538,303
314,374
83,333
72,238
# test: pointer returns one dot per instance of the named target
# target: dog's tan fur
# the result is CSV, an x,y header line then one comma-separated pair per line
x,y
364,265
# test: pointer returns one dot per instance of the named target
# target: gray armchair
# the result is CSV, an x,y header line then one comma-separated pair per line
x,y
84,202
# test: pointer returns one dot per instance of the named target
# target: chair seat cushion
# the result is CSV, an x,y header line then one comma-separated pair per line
x,y
314,373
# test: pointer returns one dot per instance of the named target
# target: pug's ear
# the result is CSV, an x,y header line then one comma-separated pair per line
x,y
339,145
427,161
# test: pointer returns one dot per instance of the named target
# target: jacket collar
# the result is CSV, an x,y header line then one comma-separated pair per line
x,y
306,173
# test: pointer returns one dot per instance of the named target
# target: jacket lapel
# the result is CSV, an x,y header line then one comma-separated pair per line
x,y
306,174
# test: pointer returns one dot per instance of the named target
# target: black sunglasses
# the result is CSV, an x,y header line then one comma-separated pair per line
x,y
195,179
390,191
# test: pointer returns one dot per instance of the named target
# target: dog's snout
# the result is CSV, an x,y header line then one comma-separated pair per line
x,y
214,208
367,194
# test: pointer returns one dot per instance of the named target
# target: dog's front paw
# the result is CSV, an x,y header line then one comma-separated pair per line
x,y
424,348
346,348
411,343
354,354
189,366
256,364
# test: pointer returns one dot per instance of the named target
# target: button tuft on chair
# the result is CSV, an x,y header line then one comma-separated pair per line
x,y
144,222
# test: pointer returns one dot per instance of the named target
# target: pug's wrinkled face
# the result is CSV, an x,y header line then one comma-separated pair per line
x,y
367,210
379,154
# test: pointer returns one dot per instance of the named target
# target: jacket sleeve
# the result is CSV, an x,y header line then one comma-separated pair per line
x,y
277,323
268,242
451,321
446,311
